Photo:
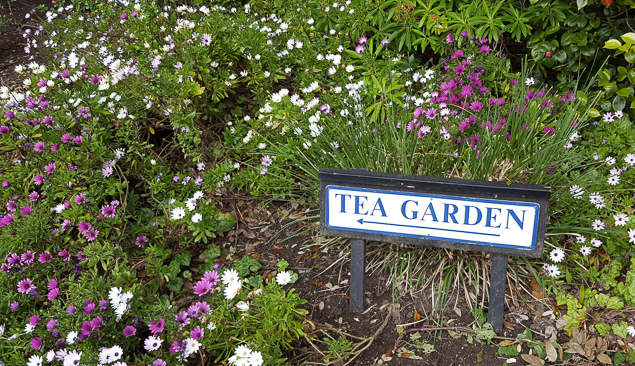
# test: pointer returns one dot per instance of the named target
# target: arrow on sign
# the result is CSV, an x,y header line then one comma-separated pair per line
x,y
361,221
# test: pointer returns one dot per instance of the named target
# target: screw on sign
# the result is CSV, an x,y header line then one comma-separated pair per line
x,y
496,217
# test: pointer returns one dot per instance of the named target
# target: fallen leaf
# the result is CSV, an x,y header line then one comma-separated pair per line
x,y
277,246
479,357
506,343
249,234
508,325
602,357
552,354
533,360
321,305
417,316
535,286
389,352
405,355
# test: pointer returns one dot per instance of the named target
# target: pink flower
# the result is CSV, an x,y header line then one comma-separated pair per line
x,y
25,286
202,287
53,294
157,326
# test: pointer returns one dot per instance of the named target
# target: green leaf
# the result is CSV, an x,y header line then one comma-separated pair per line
x,y
560,56
183,258
212,252
623,92
603,329
630,56
224,222
619,103
612,44
510,350
620,329
282,265
628,37
582,3
175,284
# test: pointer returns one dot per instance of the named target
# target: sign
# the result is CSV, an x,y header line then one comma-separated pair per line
x,y
497,223
502,218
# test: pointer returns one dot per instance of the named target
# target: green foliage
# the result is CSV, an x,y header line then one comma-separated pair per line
x,y
338,348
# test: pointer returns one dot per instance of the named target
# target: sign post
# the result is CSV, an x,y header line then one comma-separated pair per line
x,y
495,217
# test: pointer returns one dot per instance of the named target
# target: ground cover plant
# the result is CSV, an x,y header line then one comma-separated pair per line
x,y
116,146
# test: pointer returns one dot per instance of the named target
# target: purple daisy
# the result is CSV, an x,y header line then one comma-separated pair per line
x,y
25,286
83,227
91,234
129,331
108,211
141,240
157,326
53,294
34,320
197,333
45,257
212,277
202,287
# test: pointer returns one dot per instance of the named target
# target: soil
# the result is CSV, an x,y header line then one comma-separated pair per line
x,y
285,231
13,23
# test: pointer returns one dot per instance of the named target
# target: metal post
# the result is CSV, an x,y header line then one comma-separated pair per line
x,y
497,287
358,267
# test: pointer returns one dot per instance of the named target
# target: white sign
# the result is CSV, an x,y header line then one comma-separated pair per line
x,y
438,217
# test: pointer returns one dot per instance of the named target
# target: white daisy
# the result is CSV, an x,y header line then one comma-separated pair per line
x,y
197,217
197,195
152,343
613,180
242,351
35,360
621,219
178,213
596,242
71,337
598,225
557,255
631,330
529,81
72,358
232,289
191,346
283,278
230,275
553,270
255,359
585,250
631,235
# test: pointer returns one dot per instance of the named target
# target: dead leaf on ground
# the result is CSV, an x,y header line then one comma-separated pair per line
x,y
533,360
602,357
506,343
552,354
479,357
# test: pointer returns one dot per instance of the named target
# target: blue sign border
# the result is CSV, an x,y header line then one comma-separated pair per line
x,y
469,199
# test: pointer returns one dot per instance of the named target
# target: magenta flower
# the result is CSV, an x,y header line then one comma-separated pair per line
x,y
464,125
27,257
129,331
50,168
25,286
363,40
38,179
212,277
91,234
384,42
80,198
459,70
26,210
83,227
66,256
45,257
71,310
34,320
108,211
197,333
485,49
458,54
202,287
141,240
552,169
182,319
89,307
36,343
9,115
548,130
53,294
14,306
360,49
81,256
39,146
51,324
33,196
12,206
160,362
4,130
157,326
431,113
66,137
52,284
